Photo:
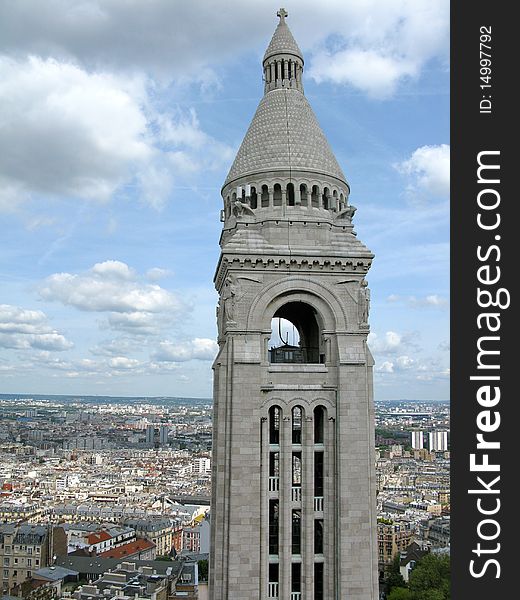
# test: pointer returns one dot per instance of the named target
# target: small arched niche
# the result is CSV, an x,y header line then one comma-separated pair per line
x,y
296,335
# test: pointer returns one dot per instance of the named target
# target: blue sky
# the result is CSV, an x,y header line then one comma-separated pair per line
x,y
119,121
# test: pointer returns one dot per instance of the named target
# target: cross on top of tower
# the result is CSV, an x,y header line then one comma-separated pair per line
x,y
282,13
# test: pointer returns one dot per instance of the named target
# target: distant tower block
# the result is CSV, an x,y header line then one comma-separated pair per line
x,y
163,435
293,512
438,440
150,435
417,439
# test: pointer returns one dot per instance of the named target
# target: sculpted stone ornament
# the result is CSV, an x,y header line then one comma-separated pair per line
x,y
347,213
363,303
241,209
228,297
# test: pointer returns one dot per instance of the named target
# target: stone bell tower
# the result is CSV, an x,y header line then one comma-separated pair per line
x,y
293,511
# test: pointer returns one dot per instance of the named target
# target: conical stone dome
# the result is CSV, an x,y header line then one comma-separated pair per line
x,y
284,135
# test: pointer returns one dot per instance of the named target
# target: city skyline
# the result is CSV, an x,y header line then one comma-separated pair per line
x,y
120,138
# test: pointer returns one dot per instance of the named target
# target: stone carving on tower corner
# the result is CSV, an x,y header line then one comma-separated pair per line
x,y
241,209
347,214
363,304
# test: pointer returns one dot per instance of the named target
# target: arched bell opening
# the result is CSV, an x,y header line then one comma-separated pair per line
x,y
296,335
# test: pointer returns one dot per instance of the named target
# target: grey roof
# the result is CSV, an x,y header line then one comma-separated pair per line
x,y
284,134
99,565
54,573
282,42
30,534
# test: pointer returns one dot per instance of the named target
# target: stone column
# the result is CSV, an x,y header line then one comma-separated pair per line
x,y
285,507
264,509
297,195
308,509
271,197
330,522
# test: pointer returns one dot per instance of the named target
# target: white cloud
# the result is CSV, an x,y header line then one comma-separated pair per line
x,y
367,70
109,286
188,41
385,367
401,363
378,45
113,287
67,132
389,344
405,362
24,329
429,301
123,362
199,348
428,170
114,269
157,273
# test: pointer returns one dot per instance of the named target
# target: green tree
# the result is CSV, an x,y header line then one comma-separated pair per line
x,y
394,578
400,593
430,580
203,570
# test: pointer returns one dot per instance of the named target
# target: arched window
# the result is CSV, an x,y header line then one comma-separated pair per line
x,y
335,204
341,202
254,198
325,198
265,196
277,195
296,335
315,196
304,195
274,424
319,424
290,194
297,414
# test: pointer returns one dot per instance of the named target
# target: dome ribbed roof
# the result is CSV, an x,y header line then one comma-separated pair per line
x,y
284,134
282,42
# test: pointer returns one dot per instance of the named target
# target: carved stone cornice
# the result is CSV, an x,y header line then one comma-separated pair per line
x,y
357,265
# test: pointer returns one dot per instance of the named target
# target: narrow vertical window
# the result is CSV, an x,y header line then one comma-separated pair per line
x,y
325,198
297,425
315,196
319,418
318,474
303,194
318,581
296,577
277,195
318,536
290,194
254,198
296,532
265,196
296,469
274,425
273,526
274,574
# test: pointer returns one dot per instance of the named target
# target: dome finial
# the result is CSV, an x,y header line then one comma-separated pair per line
x,y
282,13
